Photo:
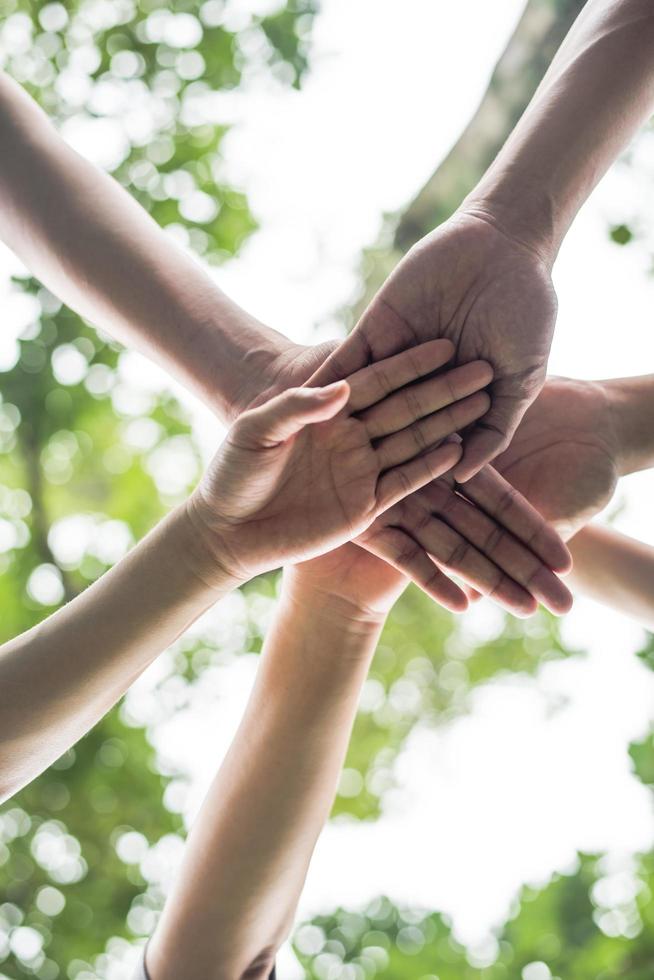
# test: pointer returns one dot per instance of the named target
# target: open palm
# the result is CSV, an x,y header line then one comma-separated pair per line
x,y
490,296
312,468
565,455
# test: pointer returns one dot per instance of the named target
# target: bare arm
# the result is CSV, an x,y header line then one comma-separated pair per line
x,y
597,92
247,856
83,235
615,570
278,489
483,278
59,678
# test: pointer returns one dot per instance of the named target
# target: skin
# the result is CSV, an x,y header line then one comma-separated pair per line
x,y
484,292
354,469
479,536
71,668
121,272
573,445
234,899
615,570
566,455
576,441
483,278
358,456
235,895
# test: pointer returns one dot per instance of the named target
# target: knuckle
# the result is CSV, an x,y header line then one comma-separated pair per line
x,y
419,437
506,501
407,552
493,539
459,553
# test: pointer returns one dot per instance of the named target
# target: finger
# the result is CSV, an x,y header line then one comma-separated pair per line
x,y
497,497
379,333
453,551
492,434
471,594
283,416
350,356
377,381
403,553
428,432
419,400
398,483
504,550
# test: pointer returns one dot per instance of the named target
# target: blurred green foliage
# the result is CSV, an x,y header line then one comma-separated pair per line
x,y
595,923
90,459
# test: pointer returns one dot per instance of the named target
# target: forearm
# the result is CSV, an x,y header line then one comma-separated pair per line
x,y
58,679
91,244
248,853
615,570
597,92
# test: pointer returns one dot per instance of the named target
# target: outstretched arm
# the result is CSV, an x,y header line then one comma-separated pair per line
x,y
483,278
83,235
598,90
247,855
616,570
294,476
59,678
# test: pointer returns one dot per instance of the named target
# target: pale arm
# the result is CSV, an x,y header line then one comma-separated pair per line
x,y
597,92
58,679
92,245
615,570
248,853
256,508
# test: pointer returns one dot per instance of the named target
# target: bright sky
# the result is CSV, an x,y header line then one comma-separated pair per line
x,y
539,769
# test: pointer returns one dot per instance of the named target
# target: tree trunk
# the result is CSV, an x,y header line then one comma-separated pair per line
x,y
517,74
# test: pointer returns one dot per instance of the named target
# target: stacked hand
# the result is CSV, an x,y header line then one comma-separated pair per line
x,y
566,456
492,298
488,294
312,468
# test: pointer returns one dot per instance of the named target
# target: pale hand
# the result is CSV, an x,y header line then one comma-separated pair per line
x,y
483,532
491,296
420,541
565,456
312,468
349,582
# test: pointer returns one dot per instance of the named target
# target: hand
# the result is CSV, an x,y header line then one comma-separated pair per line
x,y
491,538
289,366
486,533
492,297
349,582
566,455
313,467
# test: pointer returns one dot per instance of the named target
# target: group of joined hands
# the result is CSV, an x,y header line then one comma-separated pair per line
x,y
428,444
395,457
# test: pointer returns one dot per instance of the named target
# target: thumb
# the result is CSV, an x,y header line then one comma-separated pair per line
x,y
283,416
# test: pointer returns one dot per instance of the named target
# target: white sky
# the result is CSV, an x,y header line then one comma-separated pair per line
x,y
539,769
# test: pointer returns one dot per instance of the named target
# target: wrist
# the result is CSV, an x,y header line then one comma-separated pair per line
x,y
208,550
329,611
631,403
523,213
227,355
333,649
